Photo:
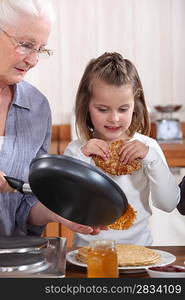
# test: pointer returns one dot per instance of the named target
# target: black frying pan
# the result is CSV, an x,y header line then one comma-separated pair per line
x,y
74,189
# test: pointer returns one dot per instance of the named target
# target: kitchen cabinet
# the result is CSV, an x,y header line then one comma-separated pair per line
x,y
56,229
60,139
174,152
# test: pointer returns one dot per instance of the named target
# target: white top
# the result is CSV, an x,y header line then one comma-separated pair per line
x,y
154,177
1,141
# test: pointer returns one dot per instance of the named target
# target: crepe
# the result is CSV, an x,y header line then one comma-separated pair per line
x,y
135,255
113,165
126,220
128,255
82,254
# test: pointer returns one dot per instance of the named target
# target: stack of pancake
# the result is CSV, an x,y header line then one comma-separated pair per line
x,y
128,255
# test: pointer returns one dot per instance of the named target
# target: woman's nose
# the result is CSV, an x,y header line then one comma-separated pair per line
x,y
32,59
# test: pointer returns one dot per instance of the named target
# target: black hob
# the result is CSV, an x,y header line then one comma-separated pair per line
x,y
32,257
21,243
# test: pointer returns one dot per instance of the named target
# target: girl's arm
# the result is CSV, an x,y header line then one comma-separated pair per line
x,y
165,191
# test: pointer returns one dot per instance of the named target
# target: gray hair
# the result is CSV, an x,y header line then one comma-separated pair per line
x,y
12,10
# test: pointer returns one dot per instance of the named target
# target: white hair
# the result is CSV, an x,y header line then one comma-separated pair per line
x,y
11,11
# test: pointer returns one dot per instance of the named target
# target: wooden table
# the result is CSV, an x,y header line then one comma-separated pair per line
x,y
73,271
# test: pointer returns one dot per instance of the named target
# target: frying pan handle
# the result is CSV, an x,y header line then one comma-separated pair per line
x,y
19,185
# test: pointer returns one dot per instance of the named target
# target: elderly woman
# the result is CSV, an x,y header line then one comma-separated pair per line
x,y
25,118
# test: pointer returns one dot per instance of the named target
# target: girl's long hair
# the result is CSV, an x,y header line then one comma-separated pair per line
x,y
113,69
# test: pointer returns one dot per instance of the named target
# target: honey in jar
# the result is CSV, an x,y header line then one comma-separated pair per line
x,y
102,259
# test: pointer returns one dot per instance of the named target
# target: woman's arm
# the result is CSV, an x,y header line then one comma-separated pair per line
x,y
40,215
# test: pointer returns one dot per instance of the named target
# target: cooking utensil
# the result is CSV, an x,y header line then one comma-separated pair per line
x,y
74,190
19,185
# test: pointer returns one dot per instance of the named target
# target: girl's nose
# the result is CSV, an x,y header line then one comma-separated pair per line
x,y
114,117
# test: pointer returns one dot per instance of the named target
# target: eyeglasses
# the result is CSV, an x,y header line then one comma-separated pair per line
x,y
26,48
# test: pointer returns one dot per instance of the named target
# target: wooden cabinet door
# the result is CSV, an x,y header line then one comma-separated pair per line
x,y
56,229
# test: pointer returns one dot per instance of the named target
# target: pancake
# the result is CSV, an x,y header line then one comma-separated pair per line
x,y
125,221
82,254
113,165
135,255
128,255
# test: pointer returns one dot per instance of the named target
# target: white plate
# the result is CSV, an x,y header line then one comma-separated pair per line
x,y
166,258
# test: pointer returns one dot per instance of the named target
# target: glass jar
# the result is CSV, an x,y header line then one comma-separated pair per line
x,y
102,259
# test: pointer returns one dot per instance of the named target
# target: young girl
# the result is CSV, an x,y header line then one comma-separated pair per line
x,y
110,106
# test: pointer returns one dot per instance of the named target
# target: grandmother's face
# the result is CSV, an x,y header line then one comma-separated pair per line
x,y
13,65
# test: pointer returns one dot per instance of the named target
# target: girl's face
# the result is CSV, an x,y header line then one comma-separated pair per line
x,y
111,108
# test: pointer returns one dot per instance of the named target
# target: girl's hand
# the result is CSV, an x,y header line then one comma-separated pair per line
x,y
133,150
4,186
96,147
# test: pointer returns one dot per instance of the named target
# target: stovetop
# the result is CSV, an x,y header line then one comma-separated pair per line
x,y
30,258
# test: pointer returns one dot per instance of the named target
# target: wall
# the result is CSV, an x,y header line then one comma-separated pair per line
x,y
151,33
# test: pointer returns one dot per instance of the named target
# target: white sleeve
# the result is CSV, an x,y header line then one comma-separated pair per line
x,y
73,149
165,192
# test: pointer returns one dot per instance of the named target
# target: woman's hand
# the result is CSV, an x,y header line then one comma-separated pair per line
x,y
96,229
4,186
84,229
133,150
96,147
